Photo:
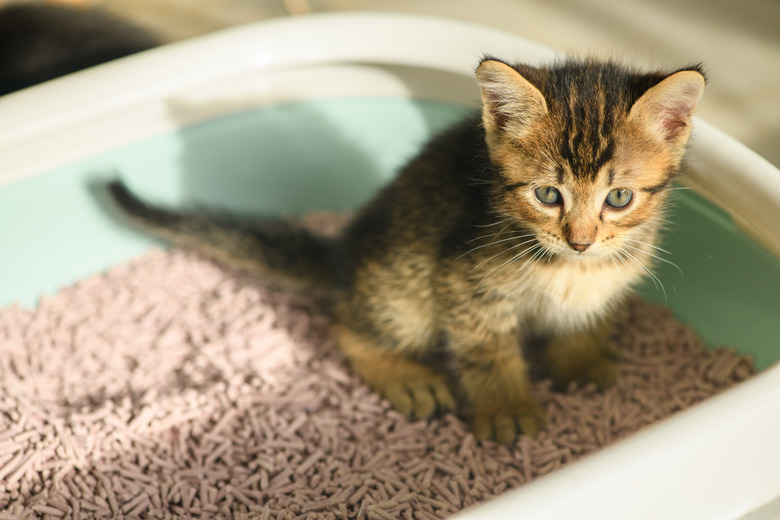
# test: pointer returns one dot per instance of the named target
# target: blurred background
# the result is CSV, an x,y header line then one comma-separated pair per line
x,y
739,42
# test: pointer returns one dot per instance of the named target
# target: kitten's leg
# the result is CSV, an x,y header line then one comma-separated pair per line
x,y
412,388
583,357
494,377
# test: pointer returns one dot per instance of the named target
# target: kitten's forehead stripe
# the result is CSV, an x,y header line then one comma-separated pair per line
x,y
565,150
605,156
587,100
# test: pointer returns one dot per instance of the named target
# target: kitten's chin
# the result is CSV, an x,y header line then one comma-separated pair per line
x,y
577,256
580,256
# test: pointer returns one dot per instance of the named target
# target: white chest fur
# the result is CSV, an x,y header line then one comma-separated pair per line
x,y
574,293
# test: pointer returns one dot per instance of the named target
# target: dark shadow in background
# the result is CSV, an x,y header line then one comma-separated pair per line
x,y
39,42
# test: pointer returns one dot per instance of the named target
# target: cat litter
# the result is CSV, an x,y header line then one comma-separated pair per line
x,y
168,388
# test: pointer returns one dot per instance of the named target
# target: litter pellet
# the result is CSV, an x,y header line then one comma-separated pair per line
x,y
170,387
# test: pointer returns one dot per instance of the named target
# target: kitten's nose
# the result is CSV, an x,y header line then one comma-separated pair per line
x,y
579,247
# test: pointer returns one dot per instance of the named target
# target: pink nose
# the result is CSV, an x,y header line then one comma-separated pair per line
x,y
579,247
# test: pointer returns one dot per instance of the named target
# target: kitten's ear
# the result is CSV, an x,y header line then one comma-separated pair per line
x,y
665,110
510,103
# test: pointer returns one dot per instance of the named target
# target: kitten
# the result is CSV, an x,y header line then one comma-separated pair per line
x,y
530,223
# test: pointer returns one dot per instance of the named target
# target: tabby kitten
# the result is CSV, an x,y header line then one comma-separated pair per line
x,y
525,228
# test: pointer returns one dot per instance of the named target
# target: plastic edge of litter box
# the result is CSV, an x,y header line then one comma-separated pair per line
x,y
709,472
123,88
750,192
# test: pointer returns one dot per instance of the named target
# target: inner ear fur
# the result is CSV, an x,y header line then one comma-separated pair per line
x,y
510,103
665,110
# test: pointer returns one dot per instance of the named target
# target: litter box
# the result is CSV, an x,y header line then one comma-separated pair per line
x,y
243,118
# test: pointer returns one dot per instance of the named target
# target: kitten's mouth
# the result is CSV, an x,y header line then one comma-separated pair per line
x,y
560,250
586,254
579,254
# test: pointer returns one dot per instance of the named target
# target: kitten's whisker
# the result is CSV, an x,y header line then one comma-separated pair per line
x,y
495,235
489,225
623,255
498,242
533,249
663,222
656,257
487,260
623,260
536,257
614,256
649,272
648,245
515,258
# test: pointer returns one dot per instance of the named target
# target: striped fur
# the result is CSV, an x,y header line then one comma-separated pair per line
x,y
457,266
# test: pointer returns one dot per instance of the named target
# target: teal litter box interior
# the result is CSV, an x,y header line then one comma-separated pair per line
x,y
332,155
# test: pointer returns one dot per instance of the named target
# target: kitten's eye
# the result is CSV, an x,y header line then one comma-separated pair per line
x,y
548,195
619,198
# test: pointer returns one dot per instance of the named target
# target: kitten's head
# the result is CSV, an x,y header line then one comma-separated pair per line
x,y
587,150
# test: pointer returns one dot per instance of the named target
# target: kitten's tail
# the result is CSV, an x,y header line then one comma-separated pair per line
x,y
279,251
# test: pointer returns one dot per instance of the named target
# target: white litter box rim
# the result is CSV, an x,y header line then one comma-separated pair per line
x,y
716,461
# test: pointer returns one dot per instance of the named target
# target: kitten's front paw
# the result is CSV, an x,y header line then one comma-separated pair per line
x,y
421,397
602,371
413,389
504,426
